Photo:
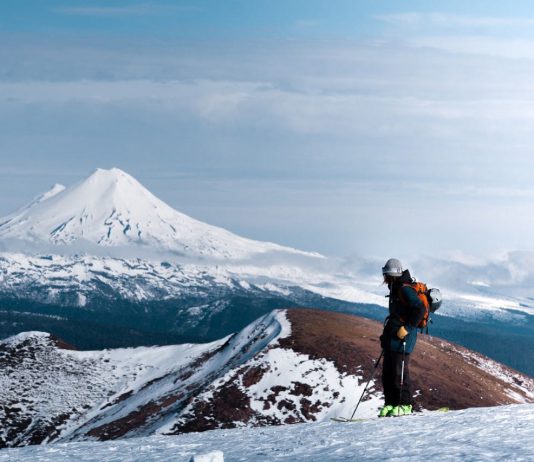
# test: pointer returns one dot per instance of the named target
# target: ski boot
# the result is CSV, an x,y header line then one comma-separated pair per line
x,y
403,409
384,412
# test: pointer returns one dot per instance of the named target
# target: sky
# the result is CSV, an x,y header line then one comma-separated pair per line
x,y
374,128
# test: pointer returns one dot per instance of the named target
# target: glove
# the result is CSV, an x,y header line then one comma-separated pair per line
x,y
402,333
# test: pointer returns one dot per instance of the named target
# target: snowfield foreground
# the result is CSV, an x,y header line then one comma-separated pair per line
x,y
484,434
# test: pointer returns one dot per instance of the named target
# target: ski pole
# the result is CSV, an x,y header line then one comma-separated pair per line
x,y
365,389
402,376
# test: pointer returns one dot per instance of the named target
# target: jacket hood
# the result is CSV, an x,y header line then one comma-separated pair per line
x,y
405,278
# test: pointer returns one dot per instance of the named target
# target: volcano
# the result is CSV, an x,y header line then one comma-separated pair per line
x,y
111,210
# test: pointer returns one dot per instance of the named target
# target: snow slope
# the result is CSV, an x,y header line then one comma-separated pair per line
x,y
99,390
43,387
110,209
485,434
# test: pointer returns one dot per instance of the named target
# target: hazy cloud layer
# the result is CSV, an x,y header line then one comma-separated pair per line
x,y
370,147
453,21
135,9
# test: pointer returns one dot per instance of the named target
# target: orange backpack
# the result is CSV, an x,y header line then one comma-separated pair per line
x,y
422,293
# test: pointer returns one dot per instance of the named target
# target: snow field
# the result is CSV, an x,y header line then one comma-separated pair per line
x,y
215,456
240,348
292,386
326,385
485,434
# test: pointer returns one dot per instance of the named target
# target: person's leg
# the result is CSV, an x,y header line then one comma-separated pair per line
x,y
388,377
406,397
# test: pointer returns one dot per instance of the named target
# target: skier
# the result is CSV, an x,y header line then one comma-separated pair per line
x,y
406,310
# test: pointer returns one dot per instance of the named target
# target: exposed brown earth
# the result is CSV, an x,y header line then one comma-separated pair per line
x,y
444,373
61,344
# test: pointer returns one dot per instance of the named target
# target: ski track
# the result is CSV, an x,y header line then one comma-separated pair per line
x,y
485,434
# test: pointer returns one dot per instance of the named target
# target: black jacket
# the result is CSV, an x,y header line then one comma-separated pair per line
x,y
408,311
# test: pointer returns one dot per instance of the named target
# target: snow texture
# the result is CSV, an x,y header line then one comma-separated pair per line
x,y
215,456
52,278
484,434
62,389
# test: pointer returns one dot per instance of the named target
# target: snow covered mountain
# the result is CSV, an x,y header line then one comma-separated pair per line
x,y
110,212
104,263
287,367
108,230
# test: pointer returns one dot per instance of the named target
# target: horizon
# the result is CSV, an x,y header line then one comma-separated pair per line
x,y
371,129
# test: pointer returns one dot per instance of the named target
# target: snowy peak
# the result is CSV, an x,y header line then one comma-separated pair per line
x,y
110,209
35,340
54,190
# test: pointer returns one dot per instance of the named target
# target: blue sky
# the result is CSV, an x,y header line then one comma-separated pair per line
x,y
346,127
236,18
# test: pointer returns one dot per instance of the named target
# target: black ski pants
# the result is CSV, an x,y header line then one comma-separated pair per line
x,y
391,379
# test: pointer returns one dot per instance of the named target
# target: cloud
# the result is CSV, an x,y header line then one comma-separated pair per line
x,y
263,104
443,20
503,37
106,10
126,10
509,48
373,91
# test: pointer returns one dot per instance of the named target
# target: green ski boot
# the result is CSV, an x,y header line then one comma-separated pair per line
x,y
403,409
384,412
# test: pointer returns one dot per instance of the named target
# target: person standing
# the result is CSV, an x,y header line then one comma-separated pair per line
x,y
406,311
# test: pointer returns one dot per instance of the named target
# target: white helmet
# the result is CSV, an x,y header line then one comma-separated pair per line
x,y
435,299
393,268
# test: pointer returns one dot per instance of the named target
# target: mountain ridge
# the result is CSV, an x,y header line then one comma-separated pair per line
x,y
288,366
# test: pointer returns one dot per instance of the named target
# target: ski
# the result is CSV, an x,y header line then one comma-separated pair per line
x,y
424,412
344,420
441,409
